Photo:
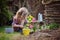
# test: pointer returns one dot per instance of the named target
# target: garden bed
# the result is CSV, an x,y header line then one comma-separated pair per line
x,y
46,35
39,35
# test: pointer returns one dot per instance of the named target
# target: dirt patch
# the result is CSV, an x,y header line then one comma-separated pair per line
x,y
40,35
46,35
55,35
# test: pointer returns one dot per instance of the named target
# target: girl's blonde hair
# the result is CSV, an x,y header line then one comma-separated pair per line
x,y
22,10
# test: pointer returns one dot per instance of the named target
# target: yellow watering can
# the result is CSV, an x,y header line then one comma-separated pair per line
x,y
26,31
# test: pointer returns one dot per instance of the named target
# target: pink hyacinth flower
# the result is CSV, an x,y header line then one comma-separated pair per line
x,y
33,20
31,26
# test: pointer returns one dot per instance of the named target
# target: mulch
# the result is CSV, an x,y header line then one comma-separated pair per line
x,y
55,34
45,35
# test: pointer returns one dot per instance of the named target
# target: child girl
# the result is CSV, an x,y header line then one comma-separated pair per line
x,y
19,19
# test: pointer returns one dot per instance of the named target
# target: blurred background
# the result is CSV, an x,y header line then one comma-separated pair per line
x,y
49,8
8,8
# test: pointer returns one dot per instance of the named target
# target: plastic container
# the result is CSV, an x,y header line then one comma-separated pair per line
x,y
40,17
9,30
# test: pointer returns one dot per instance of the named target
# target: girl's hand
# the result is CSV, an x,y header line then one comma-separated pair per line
x,y
21,26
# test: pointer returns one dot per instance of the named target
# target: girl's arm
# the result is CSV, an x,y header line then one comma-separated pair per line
x,y
16,25
22,23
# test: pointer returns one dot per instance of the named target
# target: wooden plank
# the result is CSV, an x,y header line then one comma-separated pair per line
x,y
56,0
52,5
52,18
49,15
53,10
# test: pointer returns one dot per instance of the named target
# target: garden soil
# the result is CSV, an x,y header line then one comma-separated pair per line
x,y
42,35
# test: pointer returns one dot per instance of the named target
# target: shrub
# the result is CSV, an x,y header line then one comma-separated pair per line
x,y
53,26
49,26
5,14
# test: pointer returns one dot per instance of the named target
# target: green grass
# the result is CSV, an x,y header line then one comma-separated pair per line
x,y
2,28
3,35
6,36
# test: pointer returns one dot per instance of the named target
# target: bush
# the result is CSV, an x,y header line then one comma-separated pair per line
x,y
5,14
49,26
53,26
